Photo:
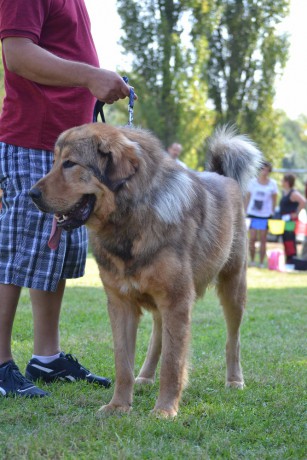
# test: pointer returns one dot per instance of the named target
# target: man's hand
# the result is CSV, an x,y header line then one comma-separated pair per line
x,y
107,86
30,61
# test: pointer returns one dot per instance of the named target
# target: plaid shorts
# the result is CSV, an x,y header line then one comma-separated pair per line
x,y
25,258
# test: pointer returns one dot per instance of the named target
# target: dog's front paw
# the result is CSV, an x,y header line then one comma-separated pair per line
x,y
109,409
235,384
144,381
164,412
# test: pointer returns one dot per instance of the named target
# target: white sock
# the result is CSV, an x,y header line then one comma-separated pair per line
x,y
46,359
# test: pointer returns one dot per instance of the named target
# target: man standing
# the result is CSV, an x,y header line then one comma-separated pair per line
x,y
52,78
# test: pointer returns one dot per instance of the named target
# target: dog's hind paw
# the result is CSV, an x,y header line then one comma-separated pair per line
x,y
144,381
109,409
235,384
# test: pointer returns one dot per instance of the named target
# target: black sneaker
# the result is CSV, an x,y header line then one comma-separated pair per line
x,y
66,368
13,383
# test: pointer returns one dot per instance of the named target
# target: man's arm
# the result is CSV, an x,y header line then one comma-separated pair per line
x,y
32,62
298,198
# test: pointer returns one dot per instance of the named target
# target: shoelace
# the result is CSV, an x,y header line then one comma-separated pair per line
x,y
17,376
73,359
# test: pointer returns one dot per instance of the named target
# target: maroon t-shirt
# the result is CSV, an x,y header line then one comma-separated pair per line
x,y
33,115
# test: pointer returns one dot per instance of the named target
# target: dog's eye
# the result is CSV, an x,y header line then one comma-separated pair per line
x,y
68,164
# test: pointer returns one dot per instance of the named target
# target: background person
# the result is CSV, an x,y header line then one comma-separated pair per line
x,y
261,200
174,151
291,203
52,79
304,249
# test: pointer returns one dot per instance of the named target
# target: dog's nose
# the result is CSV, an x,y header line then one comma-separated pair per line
x,y
35,194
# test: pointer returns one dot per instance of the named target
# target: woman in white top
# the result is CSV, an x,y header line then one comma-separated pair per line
x,y
261,200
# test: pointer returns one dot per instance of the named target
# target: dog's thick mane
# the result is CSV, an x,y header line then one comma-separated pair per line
x,y
175,196
175,188
169,190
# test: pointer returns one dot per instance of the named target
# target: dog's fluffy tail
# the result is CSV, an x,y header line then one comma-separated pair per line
x,y
233,155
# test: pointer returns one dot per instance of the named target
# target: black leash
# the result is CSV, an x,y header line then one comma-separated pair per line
x,y
98,108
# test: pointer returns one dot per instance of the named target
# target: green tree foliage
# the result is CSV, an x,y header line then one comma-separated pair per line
x,y
188,54
246,53
295,133
166,73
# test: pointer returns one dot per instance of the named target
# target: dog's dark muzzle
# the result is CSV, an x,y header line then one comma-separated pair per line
x,y
72,218
37,197
35,194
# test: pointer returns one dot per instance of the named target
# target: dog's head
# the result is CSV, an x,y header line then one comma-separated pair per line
x,y
91,163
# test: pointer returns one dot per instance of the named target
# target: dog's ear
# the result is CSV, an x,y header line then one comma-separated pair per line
x,y
122,160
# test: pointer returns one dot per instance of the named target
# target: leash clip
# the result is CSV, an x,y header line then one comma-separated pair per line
x,y
130,104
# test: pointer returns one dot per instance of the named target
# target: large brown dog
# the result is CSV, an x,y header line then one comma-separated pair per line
x,y
160,235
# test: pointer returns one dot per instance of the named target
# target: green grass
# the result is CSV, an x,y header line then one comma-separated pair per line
x,y
265,421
